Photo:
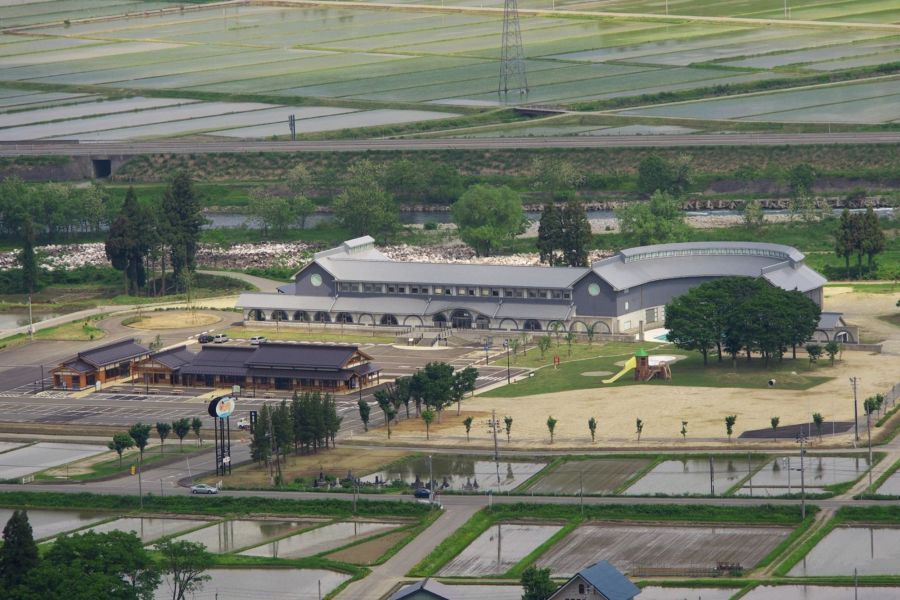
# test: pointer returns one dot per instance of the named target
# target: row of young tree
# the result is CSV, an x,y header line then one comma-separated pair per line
x,y
91,565
436,386
151,238
139,435
741,314
308,423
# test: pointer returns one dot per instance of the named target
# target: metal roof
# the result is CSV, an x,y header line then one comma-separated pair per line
x,y
606,579
268,301
776,251
355,268
223,355
385,304
435,589
115,352
523,310
76,364
301,356
831,320
174,358
801,278
210,369
302,374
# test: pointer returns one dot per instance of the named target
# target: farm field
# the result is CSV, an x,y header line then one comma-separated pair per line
x,y
228,536
782,474
689,476
272,584
149,529
378,60
498,549
459,473
37,457
49,523
820,592
891,486
321,539
867,550
634,547
596,476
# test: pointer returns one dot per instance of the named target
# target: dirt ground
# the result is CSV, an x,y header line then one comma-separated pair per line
x,y
662,409
175,319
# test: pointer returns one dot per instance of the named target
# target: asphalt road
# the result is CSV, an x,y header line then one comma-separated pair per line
x,y
180,147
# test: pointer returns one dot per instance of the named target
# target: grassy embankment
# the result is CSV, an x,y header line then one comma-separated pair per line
x,y
300,335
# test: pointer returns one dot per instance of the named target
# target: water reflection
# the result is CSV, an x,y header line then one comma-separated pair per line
x,y
458,473
869,550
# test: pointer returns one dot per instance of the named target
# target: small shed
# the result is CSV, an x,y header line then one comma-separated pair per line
x,y
600,581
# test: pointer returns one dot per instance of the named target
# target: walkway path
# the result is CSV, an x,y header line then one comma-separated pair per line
x,y
389,575
261,283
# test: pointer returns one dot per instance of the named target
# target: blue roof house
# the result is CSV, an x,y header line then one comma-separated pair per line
x,y
600,581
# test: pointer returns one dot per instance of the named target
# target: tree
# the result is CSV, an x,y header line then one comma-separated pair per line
x,y
383,398
872,240
774,421
196,424
730,420
508,422
120,443
832,348
814,351
557,177
639,428
690,319
564,235
364,410
185,564
488,217
684,425
544,343
591,332
181,209
163,430
467,423
801,179
19,553
655,174
181,428
592,426
428,416
302,207
570,339
364,207
27,259
260,441
140,433
128,243
753,215
536,584
548,239
819,420
270,211
551,426
434,384
846,241
95,565
658,221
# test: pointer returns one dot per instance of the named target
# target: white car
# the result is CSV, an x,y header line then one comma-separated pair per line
x,y
202,488
220,338
256,340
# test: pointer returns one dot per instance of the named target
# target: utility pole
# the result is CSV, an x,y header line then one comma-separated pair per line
x,y
802,439
853,382
506,345
581,490
869,434
431,482
494,426
750,473
712,482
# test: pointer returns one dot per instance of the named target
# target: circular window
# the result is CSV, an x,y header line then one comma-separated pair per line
x,y
316,279
594,289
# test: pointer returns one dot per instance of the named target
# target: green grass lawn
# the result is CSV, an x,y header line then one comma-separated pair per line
x,y
686,372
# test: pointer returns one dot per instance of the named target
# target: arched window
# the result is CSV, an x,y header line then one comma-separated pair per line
x,y
343,318
482,322
279,315
388,320
257,315
301,315
322,317
439,320
532,325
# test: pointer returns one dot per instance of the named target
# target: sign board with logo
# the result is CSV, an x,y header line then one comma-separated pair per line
x,y
222,407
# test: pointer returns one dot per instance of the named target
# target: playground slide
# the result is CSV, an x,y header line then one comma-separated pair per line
x,y
629,365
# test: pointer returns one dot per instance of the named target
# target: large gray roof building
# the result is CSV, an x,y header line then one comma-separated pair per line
x,y
355,283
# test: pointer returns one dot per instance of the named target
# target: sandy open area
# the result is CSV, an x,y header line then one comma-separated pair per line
x,y
175,319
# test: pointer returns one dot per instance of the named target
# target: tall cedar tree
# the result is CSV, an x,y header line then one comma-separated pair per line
x,y
27,258
19,553
564,235
128,242
181,208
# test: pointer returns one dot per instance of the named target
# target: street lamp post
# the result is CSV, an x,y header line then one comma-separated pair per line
x,y
506,345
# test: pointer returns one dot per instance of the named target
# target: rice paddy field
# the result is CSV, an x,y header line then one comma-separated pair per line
x,y
375,67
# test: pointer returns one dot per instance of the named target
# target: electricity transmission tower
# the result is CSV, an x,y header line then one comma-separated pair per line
x,y
512,54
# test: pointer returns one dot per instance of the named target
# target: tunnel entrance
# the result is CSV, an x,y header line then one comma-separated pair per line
x,y
102,167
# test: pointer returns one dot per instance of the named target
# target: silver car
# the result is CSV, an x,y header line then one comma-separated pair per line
x,y
202,488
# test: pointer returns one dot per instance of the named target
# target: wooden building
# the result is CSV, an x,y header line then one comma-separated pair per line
x,y
162,367
103,364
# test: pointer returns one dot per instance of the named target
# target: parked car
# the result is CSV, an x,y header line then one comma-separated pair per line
x,y
202,488
256,340
220,338
204,338
422,493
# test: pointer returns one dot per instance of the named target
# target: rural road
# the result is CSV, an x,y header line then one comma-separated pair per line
x,y
632,141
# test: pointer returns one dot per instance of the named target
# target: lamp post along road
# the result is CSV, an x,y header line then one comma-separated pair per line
x,y
506,345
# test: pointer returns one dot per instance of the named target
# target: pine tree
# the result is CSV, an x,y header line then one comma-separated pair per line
x,y
27,258
549,233
181,208
19,553
575,234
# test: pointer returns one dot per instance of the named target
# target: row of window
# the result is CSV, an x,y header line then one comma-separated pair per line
x,y
709,252
438,290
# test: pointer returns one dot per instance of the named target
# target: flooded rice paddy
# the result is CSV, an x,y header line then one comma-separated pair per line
x,y
272,584
229,536
594,476
869,550
43,455
498,549
690,476
460,473
783,473
149,529
48,523
655,592
633,547
891,486
319,540
820,592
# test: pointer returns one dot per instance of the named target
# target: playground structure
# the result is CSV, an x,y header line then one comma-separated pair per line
x,y
645,367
